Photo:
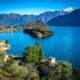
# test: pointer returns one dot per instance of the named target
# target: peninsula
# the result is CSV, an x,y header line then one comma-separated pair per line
x,y
4,45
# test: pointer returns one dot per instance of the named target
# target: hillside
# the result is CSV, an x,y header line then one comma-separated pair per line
x,y
71,19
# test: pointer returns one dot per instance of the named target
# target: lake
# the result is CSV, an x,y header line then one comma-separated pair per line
x,y
63,45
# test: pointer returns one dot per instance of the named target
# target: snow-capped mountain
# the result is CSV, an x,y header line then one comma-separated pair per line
x,y
69,9
71,19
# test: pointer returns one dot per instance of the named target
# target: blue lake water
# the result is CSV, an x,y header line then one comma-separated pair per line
x,y
64,45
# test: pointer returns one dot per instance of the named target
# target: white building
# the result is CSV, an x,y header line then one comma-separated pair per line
x,y
51,61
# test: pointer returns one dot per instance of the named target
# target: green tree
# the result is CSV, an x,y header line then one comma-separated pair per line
x,y
33,54
41,55
66,70
6,42
16,70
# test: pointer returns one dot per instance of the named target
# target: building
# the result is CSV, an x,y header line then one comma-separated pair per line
x,y
47,66
51,61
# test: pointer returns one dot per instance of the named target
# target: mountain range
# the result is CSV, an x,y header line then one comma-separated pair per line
x,y
71,19
13,19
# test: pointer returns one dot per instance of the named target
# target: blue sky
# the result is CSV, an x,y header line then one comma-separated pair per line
x,y
35,6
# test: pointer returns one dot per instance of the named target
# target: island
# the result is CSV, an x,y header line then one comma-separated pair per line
x,y
38,29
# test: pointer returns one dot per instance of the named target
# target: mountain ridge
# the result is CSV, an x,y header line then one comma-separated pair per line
x,y
13,19
71,19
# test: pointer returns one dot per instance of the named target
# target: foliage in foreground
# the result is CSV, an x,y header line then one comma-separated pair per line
x,y
28,69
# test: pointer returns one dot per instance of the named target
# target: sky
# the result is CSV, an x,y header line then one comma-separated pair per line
x,y
35,6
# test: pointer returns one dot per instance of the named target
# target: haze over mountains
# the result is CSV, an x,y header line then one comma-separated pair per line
x,y
13,19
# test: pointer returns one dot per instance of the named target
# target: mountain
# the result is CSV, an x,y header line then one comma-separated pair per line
x,y
71,19
46,16
17,19
69,9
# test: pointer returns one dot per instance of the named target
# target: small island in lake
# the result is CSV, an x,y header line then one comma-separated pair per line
x,y
38,29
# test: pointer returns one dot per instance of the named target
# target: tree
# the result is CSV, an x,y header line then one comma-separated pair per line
x,y
66,70
16,70
6,42
33,54
41,55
